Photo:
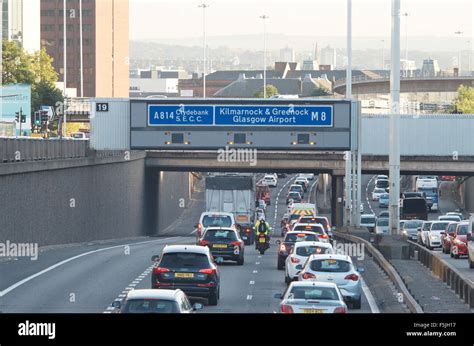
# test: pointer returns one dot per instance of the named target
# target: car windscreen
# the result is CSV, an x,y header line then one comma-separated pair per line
x,y
306,251
382,222
184,261
296,237
213,235
449,218
382,183
313,293
413,224
330,265
217,220
384,196
294,217
296,188
315,229
367,220
439,226
294,194
147,306
463,229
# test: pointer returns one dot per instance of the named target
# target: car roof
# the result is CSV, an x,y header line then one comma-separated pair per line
x,y
214,228
186,248
312,283
312,243
330,256
153,294
217,213
297,232
308,225
439,221
367,215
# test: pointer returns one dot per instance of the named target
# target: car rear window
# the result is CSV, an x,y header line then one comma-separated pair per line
x,y
384,196
306,251
294,194
294,217
315,229
294,237
184,260
318,293
215,235
367,220
146,306
413,224
382,222
217,221
330,265
463,229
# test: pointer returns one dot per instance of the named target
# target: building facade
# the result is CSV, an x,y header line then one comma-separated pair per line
x,y
21,23
104,45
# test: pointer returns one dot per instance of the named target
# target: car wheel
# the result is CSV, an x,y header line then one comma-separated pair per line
x,y
451,254
357,303
456,256
240,261
213,298
287,279
280,264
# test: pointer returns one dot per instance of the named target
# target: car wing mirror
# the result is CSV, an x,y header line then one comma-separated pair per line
x,y
197,306
360,269
469,236
155,258
117,304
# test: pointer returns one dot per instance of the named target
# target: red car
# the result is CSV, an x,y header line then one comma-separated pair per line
x,y
459,243
448,177
447,237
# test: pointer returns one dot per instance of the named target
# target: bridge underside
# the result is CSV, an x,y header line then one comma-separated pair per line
x,y
301,162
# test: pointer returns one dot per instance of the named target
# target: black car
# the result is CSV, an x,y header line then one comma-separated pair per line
x,y
247,233
224,243
290,239
190,268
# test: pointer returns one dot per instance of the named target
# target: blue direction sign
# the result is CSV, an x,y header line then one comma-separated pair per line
x,y
180,115
274,115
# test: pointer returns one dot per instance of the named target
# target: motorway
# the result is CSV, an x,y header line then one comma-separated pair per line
x,y
446,204
89,277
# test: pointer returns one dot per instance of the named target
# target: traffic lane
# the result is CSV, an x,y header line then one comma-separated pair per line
x,y
85,284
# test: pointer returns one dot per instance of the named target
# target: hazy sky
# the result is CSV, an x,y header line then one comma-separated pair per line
x,y
168,19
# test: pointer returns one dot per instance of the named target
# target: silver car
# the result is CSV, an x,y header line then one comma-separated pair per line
x,y
410,228
433,238
337,269
381,226
312,298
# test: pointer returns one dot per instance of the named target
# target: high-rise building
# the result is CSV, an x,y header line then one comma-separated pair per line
x,y
21,23
287,55
430,68
328,56
104,44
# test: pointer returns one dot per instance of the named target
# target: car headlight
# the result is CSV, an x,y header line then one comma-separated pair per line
x,y
433,237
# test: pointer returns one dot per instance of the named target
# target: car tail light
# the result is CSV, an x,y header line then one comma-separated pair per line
x,y
208,271
236,243
159,270
324,235
199,226
340,310
294,260
247,230
203,242
353,277
282,248
307,276
286,309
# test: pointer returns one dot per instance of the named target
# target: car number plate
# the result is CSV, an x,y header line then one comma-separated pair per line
x,y
219,246
184,275
313,311
261,240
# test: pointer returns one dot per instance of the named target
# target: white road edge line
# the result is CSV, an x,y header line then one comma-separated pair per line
x,y
31,277
370,298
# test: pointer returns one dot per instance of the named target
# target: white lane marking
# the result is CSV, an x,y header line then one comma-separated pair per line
x,y
259,256
370,298
107,312
252,282
257,262
367,194
255,271
276,200
132,285
110,308
311,189
54,266
249,297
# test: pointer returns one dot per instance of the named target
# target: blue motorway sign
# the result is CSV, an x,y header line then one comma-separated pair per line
x,y
180,115
241,115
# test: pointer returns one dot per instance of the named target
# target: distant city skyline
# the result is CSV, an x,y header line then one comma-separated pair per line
x,y
182,19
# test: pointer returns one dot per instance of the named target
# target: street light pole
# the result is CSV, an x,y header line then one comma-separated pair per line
x,y
64,65
264,17
394,126
406,43
80,48
204,6
459,32
383,54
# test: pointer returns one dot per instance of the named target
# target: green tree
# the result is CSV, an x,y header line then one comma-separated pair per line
x,y
45,94
320,91
464,102
42,67
16,63
271,91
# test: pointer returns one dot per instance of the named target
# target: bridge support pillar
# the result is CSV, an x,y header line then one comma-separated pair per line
x,y
337,207
151,195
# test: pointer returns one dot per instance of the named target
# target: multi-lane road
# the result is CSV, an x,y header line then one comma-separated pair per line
x,y
89,277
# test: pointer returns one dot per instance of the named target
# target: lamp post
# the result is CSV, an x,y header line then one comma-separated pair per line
x,y
406,43
383,54
264,18
204,6
459,32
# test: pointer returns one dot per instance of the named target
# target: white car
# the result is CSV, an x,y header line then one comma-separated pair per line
x,y
312,298
422,234
470,250
309,176
270,180
298,255
214,219
377,193
312,227
146,301
433,237
381,226
368,221
453,218
381,177
337,269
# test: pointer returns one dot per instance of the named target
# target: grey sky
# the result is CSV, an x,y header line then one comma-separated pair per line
x,y
168,19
